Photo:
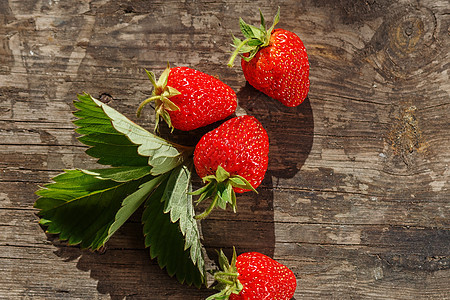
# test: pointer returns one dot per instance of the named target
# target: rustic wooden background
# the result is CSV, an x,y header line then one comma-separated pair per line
x,y
356,200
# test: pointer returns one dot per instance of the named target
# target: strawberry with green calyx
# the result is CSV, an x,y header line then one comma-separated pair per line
x,y
161,95
273,61
253,276
188,99
232,158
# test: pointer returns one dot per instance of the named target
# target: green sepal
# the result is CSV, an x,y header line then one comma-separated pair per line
x,y
242,183
221,174
255,38
219,188
245,29
162,81
151,77
263,22
161,96
227,278
223,198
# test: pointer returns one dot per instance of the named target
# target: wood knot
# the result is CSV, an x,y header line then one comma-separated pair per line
x,y
407,35
407,42
411,39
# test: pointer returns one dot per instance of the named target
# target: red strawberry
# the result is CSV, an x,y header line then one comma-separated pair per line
x,y
253,276
188,99
274,61
231,158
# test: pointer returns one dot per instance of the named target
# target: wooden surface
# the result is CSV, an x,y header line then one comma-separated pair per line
x,y
356,200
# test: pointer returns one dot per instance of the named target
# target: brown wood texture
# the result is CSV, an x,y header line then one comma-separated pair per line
x,y
356,197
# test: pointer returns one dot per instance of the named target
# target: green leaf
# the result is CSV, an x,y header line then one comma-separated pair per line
x,y
120,174
117,141
224,264
107,144
171,231
161,95
178,201
131,203
227,278
87,207
203,189
81,207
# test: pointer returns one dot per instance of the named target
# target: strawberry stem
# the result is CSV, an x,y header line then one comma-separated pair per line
x,y
234,274
237,51
209,209
145,102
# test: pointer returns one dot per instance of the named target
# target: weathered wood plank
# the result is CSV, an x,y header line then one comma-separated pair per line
x,y
357,196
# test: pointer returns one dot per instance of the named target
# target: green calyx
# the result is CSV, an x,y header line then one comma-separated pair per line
x,y
255,38
219,187
227,279
161,95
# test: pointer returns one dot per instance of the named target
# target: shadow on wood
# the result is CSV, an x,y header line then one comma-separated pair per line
x,y
290,133
124,269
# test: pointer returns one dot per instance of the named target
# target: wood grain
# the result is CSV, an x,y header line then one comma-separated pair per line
x,y
356,200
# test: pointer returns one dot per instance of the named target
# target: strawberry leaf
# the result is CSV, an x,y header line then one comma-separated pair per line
x,y
87,207
81,207
120,174
117,141
131,203
106,143
171,231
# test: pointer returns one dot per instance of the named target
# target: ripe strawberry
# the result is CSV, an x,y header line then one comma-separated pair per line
x,y
188,99
231,158
253,276
274,61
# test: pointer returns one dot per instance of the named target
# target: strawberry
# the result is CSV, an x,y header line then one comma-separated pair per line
x,y
188,99
253,276
231,158
273,61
